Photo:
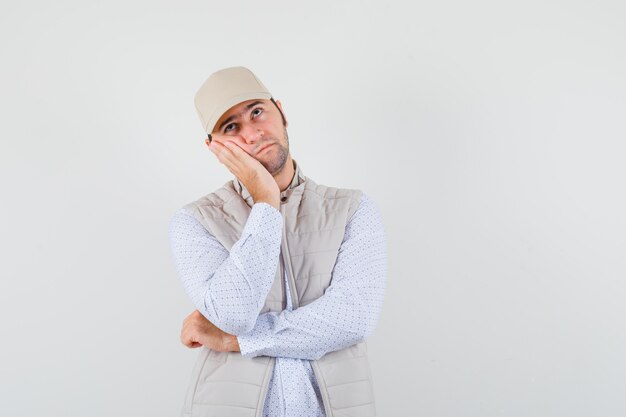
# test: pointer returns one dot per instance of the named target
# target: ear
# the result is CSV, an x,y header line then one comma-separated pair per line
x,y
280,106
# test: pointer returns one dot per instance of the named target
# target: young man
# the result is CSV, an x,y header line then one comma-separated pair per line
x,y
287,275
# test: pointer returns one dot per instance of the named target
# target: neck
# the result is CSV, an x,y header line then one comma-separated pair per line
x,y
285,176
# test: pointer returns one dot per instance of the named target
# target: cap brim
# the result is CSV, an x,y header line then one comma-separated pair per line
x,y
224,107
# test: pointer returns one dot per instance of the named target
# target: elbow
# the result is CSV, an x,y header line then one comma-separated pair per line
x,y
369,328
369,325
372,317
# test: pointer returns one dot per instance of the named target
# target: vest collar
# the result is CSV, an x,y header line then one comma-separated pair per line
x,y
298,179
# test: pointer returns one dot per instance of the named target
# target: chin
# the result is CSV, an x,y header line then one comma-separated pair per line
x,y
273,167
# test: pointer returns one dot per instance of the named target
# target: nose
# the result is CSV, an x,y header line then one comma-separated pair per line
x,y
251,134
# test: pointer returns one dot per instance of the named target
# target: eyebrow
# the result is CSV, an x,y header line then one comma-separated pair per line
x,y
234,116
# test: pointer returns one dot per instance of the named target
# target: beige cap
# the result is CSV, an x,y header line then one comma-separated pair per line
x,y
224,89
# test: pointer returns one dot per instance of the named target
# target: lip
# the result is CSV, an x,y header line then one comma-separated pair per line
x,y
265,147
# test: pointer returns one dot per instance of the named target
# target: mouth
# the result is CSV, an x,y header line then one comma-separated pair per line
x,y
264,148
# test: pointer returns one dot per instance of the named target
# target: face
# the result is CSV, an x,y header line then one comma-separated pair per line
x,y
256,124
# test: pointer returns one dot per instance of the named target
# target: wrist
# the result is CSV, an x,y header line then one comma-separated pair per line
x,y
272,201
231,343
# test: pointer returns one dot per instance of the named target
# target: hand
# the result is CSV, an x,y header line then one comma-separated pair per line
x,y
198,331
252,174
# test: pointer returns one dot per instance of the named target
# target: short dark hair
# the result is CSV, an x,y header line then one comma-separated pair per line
x,y
281,113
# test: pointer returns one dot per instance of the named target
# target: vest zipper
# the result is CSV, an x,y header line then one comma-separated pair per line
x,y
284,253
295,303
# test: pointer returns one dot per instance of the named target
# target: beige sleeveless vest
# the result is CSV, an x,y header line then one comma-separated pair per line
x,y
225,384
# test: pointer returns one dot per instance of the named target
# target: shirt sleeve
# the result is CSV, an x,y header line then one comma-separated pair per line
x,y
228,288
349,309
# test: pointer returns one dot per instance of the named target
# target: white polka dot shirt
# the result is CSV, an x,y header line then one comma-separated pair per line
x,y
229,289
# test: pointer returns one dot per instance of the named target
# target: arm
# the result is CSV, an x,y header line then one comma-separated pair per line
x,y
229,289
347,312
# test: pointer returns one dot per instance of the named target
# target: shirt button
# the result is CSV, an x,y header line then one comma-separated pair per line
x,y
283,198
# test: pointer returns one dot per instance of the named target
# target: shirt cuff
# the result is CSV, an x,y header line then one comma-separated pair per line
x,y
253,343
264,220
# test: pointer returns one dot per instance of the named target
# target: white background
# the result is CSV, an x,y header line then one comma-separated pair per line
x,y
490,133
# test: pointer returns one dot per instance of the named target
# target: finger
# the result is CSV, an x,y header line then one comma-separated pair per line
x,y
190,343
237,150
197,319
188,339
231,157
184,339
238,140
187,332
221,138
240,156
223,154
224,139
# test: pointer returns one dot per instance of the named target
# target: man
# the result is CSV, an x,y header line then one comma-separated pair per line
x,y
287,275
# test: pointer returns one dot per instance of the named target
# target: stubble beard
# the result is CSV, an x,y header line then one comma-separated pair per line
x,y
275,165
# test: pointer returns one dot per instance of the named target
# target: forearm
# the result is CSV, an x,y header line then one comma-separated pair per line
x,y
348,310
328,324
229,288
235,293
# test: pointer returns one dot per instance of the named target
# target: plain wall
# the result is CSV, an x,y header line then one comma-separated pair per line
x,y
491,135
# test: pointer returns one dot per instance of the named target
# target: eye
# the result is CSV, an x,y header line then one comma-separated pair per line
x,y
259,109
226,129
